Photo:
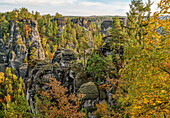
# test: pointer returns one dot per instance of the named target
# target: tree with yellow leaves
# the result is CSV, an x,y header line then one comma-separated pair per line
x,y
13,103
146,76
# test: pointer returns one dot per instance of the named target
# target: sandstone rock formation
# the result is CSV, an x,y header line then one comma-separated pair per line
x,y
107,24
16,52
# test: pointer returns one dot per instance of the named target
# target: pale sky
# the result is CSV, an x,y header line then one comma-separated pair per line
x,y
72,7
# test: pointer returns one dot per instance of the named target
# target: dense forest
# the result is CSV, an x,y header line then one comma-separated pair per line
x,y
86,67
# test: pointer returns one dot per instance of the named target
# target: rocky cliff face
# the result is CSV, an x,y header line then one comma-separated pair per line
x,y
83,22
19,50
16,52
61,68
3,56
107,24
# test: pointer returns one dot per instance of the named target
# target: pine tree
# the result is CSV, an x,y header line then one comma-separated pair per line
x,y
120,39
49,28
139,13
55,28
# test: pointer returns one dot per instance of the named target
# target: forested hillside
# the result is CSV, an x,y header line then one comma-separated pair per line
x,y
86,67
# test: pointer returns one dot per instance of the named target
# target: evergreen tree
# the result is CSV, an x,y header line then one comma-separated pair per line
x,y
119,39
139,13
55,28
49,28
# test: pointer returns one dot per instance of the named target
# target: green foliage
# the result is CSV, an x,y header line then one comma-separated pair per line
x,y
12,96
119,36
99,67
139,13
146,75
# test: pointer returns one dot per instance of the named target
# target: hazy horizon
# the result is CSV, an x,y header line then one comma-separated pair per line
x,y
73,7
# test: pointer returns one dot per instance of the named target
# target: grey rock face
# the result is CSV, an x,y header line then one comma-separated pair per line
x,y
63,57
21,52
107,24
39,74
23,70
3,57
16,47
90,90
37,50
1,45
83,22
105,27
58,55
61,23
37,77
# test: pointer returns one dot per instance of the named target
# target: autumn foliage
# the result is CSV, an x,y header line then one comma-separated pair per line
x,y
56,103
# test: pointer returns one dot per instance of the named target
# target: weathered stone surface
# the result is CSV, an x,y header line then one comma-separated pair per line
x,y
80,79
107,24
37,49
63,57
1,45
58,55
23,70
105,27
83,22
67,56
90,90
21,52
3,57
61,23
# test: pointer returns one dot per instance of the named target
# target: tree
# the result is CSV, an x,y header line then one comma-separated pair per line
x,y
83,46
58,15
100,67
37,15
139,13
55,28
146,77
120,39
49,28
57,103
14,15
12,96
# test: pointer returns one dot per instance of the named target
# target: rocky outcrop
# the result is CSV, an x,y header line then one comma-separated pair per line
x,y
20,49
61,23
89,90
17,45
105,27
36,51
41,71
107,24
63,57
83,22
3,57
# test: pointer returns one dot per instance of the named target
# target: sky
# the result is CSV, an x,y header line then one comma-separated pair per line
x,y
72,7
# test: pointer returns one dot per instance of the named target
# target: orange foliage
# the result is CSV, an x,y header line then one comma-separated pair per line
x,y
62,105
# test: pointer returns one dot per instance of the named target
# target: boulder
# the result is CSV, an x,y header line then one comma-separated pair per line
x,y
3,67
89,90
